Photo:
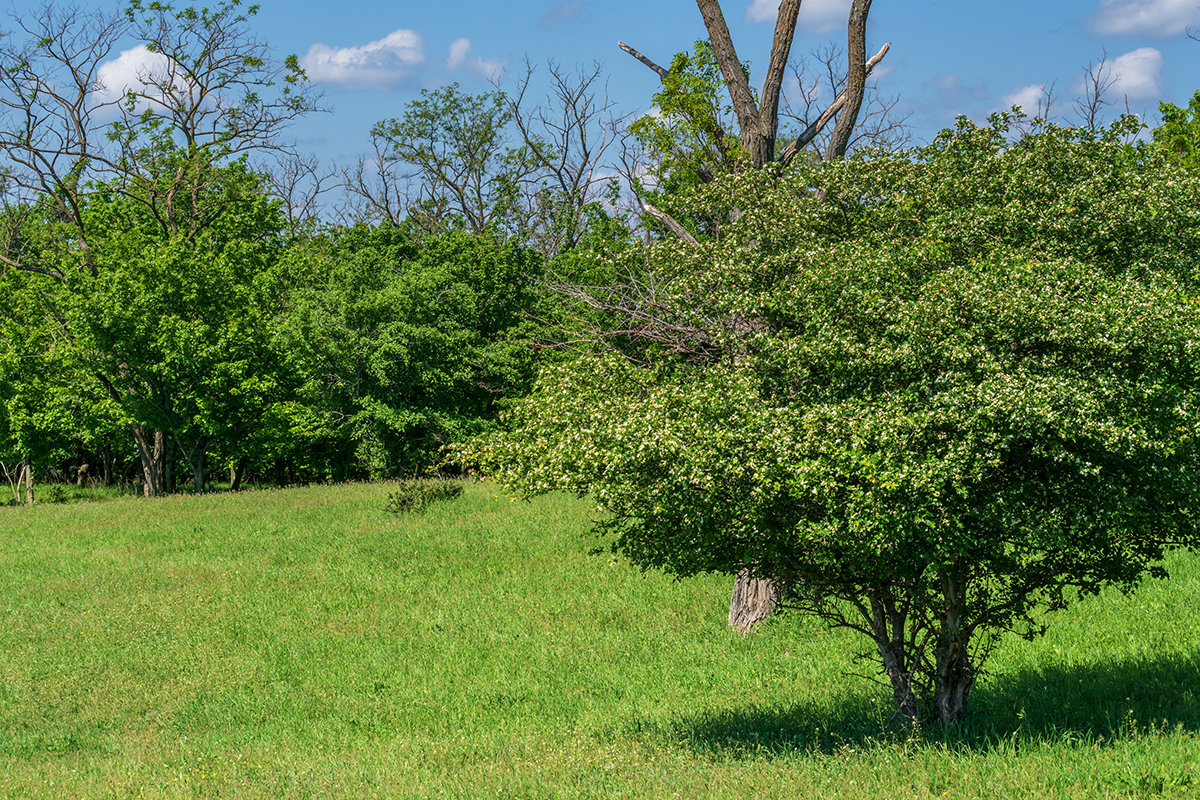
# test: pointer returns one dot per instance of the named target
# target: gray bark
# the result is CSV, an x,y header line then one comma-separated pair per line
x,y
754,599
856,79
154,453
955,675
28,483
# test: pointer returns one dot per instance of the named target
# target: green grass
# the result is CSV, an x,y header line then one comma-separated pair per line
x,y
304,643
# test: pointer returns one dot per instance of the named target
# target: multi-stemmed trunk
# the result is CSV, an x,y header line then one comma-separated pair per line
x,y
155,453
922,686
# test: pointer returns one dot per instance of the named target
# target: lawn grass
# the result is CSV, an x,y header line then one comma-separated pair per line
x,y
304,643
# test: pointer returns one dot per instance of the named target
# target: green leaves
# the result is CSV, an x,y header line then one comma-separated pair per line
x,y
1179,133
403,349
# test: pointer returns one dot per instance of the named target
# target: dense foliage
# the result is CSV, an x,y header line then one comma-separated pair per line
x,y
943,391
401,348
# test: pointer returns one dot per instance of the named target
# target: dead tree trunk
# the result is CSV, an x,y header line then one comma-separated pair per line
x,y
754,599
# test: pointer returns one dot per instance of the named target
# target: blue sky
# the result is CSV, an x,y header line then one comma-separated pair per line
x,y
966,57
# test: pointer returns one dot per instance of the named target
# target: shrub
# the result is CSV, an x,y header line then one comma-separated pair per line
x,y
415,495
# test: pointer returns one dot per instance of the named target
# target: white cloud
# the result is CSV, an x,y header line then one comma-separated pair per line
x,y
563,11
458,53
1136,74
817,16
1148,17
382,64
488,68
762,10
1029,98
132,71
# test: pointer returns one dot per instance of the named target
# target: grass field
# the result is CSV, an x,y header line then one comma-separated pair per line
x,y
303,643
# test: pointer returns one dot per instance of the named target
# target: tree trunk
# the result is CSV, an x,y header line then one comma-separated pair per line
x,y
955,674
895,666
888,622
856,80
155,457
236,473
198,461
753,601
28,483
107,462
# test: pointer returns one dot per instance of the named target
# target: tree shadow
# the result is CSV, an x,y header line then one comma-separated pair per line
x,y
1095,704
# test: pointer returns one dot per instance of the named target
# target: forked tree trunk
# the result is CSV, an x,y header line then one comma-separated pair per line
x,y
753,601
888,623
154,453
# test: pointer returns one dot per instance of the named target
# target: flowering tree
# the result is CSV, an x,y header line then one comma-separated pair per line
x,y
929,394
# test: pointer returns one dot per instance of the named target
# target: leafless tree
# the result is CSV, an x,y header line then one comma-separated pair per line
x,y
1098,81
300,181
568,137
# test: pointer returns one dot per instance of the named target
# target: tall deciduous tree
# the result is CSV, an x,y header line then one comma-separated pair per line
x,y
401,349
207,90
754,594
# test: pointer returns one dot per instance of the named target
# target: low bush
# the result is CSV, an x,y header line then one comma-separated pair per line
x,y
415,494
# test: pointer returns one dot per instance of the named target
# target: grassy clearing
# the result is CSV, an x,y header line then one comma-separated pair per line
x,y
303,643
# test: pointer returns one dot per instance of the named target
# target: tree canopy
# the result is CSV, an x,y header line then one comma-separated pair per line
x,y
949,389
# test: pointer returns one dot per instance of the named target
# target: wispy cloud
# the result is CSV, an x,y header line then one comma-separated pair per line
x,y
950,90
459,49
1029,99
563,11
816,16
382,64
1136,74
1147,17
459,58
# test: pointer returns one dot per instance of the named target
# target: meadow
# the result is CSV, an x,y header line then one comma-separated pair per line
x,y
305,643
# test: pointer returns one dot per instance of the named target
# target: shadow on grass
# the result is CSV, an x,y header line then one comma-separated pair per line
x,y
1089,704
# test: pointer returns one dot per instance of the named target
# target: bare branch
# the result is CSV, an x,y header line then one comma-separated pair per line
x,y
1098,80
662,73
671,223
856,79
813,130
735,77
